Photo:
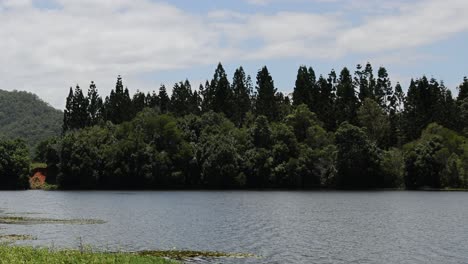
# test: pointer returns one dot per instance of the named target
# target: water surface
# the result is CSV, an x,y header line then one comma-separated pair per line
x,y
282,227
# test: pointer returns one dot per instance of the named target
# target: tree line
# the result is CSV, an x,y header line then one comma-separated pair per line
x,y
346,130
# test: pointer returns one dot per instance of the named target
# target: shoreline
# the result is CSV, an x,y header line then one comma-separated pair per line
x,y
253,190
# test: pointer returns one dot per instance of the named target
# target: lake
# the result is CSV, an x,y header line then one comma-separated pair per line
x,y
281,227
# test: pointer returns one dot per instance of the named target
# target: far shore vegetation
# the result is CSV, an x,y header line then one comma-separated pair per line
x,y
342,130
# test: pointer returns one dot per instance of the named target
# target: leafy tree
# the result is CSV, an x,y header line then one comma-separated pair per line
x,y
358,161
375,121
219,161
301,120
393,168
14,164
422,166
261,133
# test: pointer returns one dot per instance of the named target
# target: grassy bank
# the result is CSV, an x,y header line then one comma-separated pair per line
x,y
16,254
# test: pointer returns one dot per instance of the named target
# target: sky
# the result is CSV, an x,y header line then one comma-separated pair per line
x,y
49,45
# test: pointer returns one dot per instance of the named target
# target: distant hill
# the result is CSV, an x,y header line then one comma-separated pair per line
x,y
24,115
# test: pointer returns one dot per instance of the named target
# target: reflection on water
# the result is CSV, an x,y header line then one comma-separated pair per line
x,y
281,227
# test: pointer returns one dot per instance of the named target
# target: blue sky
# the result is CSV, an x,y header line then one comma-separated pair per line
x,y
50,45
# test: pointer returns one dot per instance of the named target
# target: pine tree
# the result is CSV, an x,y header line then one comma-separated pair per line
x,y
76,110
68,112
303,87
427,102
395,109
223,95
118,105
314,91
138,102
306,90
181,98
242,89
207,94
265,103
326,103
80,109
365,81
164,100
95,105
463,90
195,103
400,98
383,89
152,100
347,102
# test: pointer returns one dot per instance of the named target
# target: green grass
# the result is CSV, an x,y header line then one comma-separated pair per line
x,y
38,165
23,255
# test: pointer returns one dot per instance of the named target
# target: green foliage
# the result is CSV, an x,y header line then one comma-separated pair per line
x,y
393,168
375,121
23,255
437,160
306,90
219,161
265,100
14,164
358,161
428,101
227,136
242,90
301,120
347,101
463,90
118,105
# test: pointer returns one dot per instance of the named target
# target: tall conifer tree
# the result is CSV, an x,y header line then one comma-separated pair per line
x,y
265,103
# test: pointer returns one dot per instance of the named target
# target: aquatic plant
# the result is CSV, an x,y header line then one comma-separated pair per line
x,y
23,255
190,254
21,220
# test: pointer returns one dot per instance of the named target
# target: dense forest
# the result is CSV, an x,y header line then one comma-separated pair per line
x,y
342,130
23,115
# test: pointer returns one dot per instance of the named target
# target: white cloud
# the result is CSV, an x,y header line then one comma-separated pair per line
x,y
47,50
418,24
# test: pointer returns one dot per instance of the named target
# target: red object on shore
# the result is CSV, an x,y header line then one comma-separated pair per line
x,y
38,180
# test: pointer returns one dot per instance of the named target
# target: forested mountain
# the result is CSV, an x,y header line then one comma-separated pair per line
x,y
24,115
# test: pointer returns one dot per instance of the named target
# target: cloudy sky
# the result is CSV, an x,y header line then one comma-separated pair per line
x,y
49,45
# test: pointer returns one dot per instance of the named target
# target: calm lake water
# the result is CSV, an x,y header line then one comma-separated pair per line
x,y
282,227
